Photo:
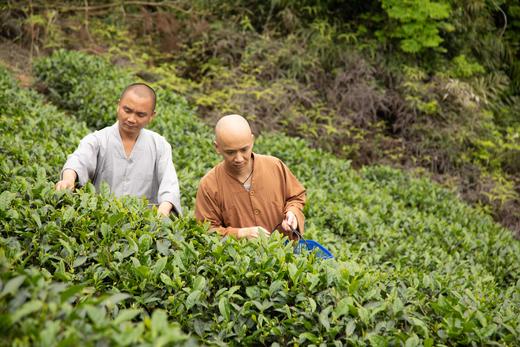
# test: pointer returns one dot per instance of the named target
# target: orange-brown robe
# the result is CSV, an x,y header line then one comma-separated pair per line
x,y
224,202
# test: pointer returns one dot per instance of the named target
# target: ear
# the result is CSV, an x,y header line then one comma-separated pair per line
x,y
118,104
217,149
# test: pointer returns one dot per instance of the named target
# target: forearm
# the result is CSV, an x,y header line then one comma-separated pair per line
x,y
68,180
83,161
169,191
69,175
296,202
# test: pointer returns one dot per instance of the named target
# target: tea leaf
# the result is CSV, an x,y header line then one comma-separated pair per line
x,y
324,317
79,261
224,309
126,315
12,285
25,309
159,266
159,323
192,299
166,280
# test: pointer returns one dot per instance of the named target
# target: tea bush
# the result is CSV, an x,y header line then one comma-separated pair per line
x,y
38,301
92,74
413,264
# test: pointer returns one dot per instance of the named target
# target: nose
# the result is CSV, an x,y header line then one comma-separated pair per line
x,y
238,158
131,118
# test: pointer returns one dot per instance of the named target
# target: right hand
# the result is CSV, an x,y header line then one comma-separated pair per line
x,y
64,184
68,181
252,232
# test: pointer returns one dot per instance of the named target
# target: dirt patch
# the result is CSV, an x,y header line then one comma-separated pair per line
x,y
17,59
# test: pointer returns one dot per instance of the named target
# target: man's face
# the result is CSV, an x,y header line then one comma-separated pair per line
x,y
236,151
134,112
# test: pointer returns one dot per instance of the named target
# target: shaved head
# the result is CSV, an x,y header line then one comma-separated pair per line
x,y
142,90
234,141
232,127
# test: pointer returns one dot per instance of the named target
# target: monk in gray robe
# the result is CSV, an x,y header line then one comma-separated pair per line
x,y
248,193
132,160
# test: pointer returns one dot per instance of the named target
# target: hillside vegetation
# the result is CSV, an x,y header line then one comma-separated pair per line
x,y
414,265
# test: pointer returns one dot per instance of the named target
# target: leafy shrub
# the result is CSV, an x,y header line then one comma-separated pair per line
x,y
282,85
463,68
419,23
93,75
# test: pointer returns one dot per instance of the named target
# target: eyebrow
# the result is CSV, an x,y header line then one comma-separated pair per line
x,y
139,113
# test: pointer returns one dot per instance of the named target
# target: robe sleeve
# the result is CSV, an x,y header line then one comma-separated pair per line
x,y
167,177
207,209
84,159
295,197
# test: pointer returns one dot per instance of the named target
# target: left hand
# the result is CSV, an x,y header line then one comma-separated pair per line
x,y
252,232
165,208
289,221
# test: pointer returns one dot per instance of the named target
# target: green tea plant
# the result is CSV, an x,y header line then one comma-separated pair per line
x,y
93,74
414,265
39,302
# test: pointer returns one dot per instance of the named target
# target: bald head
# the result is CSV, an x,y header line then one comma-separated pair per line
x,y
142,90
232,127
234,141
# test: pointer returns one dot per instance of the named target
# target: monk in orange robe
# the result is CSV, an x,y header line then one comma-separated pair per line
x,y
248,193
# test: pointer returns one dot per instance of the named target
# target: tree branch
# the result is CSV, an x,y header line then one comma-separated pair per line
x,y
167,4
503,14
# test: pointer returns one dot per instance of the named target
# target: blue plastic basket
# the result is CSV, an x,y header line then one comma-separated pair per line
x,y
311,246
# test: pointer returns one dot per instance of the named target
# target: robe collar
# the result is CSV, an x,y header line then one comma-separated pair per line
x,y
235,179
120,147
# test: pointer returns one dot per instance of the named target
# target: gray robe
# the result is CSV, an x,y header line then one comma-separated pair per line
x,y
147,172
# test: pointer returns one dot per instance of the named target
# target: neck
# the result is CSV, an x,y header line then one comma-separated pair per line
x,y
243,173
125,136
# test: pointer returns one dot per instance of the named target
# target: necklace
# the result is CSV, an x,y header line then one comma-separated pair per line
x,y
248,176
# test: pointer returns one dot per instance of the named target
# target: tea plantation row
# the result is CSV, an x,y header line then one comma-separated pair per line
x,y
414,265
